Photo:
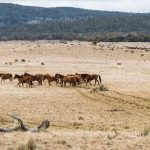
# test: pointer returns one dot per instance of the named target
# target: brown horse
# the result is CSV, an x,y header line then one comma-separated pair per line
x,y
23,79
78,77
83,77
6,76
36,77
92,77
49,78
87,78
69,79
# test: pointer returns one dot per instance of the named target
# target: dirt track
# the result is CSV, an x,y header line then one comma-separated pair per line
x,y
79,119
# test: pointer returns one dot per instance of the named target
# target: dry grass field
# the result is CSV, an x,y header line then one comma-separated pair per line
x,y
80,119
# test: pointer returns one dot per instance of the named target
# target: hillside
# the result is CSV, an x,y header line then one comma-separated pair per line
x,y
25,22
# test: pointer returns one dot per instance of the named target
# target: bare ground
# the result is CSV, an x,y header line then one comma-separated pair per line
x,y
79,118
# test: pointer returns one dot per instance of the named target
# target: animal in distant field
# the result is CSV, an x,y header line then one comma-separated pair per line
x,y
49,78
23,79
36,77
5,76
58,78
87,78
69,79
78,77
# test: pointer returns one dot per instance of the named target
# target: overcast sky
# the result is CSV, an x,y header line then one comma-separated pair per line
x,y
110,5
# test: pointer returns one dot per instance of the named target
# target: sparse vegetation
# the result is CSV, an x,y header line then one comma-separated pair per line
x,y
146,132
118,63
132,51
42,63
99,88
23,60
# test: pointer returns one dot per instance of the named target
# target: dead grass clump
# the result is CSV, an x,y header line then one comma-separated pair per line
x,y
146,132
118,63
77,124
2,121
63,142
132,51
99,88
113,136
80,118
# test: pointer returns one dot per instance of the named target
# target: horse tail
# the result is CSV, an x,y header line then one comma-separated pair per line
x,y
100,78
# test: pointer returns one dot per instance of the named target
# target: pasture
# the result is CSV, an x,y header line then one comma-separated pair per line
x,y
81,117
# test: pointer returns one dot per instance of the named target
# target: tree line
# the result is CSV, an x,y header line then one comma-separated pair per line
x,y
32,23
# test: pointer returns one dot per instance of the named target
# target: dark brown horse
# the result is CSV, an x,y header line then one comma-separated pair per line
x,y
36,77
23,79
49,78
6,76
58,78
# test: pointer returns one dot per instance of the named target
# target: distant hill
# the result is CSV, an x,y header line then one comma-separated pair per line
x,y
31,23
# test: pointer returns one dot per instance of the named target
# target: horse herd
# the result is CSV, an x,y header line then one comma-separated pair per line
x,y
72,79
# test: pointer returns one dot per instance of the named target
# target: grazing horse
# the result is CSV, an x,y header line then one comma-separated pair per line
x,y
23,79
58,78
49,78
6,76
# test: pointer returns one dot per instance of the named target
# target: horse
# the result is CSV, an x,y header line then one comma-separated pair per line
x,y
79,79
36,77
23,79
58,78
87,78
49,78
5,76
70,79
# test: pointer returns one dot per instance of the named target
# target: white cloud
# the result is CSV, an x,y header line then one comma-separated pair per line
x,y
110,5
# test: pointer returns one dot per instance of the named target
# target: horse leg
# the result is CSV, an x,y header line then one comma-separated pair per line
x,y
18,84
98,82
49,81
64,83
95,82
90,83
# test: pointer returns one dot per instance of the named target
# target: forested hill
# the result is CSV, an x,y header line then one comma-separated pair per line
x,y
30,23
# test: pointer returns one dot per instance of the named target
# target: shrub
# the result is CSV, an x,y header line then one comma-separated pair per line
x,y
132,51
42,63
23,60
100,88
146,132
118,63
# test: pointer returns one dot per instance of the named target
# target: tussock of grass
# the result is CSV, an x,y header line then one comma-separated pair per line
x,y
99,88
146,132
